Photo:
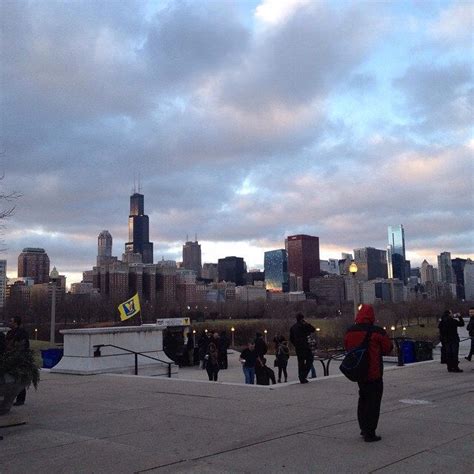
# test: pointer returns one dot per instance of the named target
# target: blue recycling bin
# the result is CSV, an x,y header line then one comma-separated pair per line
x,y
51,357
408,350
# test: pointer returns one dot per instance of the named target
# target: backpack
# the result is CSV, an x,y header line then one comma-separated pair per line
x,y
355,365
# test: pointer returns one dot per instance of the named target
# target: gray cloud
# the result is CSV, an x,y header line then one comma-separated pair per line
x,y
229,127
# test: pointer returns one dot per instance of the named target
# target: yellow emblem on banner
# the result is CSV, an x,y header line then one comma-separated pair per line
x,y
129,308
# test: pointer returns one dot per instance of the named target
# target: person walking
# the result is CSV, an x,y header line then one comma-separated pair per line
x,y
371,389
212,362
448,334
470,330
17,340
248,359
299,333
282,357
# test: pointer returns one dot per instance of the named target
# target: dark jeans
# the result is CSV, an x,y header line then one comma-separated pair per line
x,y
282,368
20,398
223,362
368,409
212,371
305,360
452,355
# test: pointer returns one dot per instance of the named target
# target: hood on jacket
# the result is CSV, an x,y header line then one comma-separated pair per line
x,y
365,314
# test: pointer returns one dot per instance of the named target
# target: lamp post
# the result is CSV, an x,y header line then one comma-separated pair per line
x,y
53,277
265,332
353,271
232,330
318,330
194,337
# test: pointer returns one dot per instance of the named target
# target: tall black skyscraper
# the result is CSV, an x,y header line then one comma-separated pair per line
x,y
138,232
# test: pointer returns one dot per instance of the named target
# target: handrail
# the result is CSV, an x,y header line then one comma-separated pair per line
x,y
136,354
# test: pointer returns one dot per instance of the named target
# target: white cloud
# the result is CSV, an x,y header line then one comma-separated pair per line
x,y
274,12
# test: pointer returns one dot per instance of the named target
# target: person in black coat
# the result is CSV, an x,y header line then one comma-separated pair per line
x,y
17,340
299,333
224,344
260,349
448,334
470,330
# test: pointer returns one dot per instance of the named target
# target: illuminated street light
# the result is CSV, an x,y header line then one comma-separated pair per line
x,y
353,270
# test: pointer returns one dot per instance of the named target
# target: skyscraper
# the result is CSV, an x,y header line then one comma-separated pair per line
x,y
303,258
371,263
276,270
458,274
34,263
138,230
192,257
427,273
3,282
396,266
469,280
104,248
231,269
445,268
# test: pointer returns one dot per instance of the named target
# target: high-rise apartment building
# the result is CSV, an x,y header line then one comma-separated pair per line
x,y
3,282
371,263
192,257
276,270
138,230
231,269
469,280
396,258
34,263
445,268
303,258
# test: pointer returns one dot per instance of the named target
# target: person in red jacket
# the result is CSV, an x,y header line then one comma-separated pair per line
x,y
371,389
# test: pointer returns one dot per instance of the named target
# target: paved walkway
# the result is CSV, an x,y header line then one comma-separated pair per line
x,y
116,424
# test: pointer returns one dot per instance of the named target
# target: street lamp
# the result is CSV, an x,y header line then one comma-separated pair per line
x,y
232,330
353,270
265,332
392,328
53,277
318,330
194,337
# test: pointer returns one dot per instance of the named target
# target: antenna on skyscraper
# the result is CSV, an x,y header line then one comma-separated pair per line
x,y
187,237
134,190
195,237
139,186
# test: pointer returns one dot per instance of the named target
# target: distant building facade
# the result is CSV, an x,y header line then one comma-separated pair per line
x,y
231,269
138,230
458,274
104,248
371,263
328,290
192,257
396,258
276,270
34,263
469,280
303,259
3,283
445,268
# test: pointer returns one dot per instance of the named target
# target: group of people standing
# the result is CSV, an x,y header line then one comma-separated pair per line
x,y
212,350
448,334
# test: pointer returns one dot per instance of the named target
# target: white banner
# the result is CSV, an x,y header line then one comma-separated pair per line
x,y
173,322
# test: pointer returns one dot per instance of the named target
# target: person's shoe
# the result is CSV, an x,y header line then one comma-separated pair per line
x,y
468,358
457,370
18,404
372,438
286,381
304,381
362,433
278,381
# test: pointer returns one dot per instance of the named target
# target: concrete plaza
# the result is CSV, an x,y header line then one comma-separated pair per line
x,y
121,423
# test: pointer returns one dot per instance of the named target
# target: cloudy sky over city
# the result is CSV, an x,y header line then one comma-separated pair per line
x,y
246,120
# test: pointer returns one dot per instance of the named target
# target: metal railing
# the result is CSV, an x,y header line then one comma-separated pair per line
x,y
97,353
332,354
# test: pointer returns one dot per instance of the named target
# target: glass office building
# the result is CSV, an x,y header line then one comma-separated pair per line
x,y
276,270
396,252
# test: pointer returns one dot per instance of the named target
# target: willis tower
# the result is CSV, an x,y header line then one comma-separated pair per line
x,y
138,232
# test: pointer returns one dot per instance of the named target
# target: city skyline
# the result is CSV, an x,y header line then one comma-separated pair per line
x,y
248,121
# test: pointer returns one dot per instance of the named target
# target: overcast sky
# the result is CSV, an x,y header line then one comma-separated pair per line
x,y
248,121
